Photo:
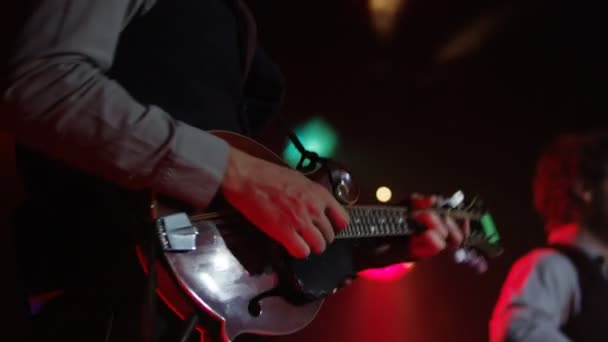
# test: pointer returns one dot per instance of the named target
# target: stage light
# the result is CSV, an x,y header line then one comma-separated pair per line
x,y
384,15
317,136
384,194
389,273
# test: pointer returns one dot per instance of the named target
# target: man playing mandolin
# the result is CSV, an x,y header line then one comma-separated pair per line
x,y
108,98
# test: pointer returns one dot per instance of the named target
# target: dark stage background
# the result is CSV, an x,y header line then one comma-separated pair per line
x,y
461,96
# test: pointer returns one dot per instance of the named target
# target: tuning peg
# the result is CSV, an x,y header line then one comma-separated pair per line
x,y
453,201
460,255
480,265
345,188
471,258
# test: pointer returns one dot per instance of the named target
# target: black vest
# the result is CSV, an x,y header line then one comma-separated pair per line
x,y
194,59
591,324
186,57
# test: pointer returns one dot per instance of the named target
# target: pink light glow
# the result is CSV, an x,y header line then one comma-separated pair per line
x,y
389,273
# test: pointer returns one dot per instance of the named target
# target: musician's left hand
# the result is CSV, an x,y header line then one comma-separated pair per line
x,y
442,231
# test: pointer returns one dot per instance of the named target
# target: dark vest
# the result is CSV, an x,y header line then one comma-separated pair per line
x,y
591,324
186,56
195,59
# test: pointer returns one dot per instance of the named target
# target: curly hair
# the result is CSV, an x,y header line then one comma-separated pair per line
x,y
569,158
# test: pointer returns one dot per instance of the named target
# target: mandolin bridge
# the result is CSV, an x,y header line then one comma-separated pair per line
x,y
176,233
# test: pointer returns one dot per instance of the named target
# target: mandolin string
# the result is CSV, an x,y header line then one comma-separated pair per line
x,y
225,216
455,213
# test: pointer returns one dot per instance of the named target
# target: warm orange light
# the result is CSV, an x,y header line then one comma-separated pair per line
x,y
385,14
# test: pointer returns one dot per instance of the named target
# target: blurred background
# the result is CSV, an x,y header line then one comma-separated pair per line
x,y
427,96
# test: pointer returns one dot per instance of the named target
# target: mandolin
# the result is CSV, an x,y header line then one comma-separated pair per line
x,y
214,263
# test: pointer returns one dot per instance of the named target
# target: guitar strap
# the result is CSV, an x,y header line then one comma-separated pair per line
x,y
150,300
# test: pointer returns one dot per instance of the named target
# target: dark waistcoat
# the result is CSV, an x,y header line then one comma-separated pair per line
x,y
591,323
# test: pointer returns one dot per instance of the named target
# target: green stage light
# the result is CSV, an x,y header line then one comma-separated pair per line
x,y
317,136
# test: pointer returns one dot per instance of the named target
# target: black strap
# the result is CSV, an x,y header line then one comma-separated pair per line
x,y
150,301
313,157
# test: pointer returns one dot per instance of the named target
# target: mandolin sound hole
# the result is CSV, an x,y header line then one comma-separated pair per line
x,y
255,305
255,309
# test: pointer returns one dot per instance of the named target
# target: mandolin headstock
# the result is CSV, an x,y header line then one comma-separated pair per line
x,y
483,242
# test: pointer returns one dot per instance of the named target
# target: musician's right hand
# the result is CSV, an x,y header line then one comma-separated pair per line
x,y
297,212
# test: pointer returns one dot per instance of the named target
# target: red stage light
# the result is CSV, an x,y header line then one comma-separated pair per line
x,y
389,273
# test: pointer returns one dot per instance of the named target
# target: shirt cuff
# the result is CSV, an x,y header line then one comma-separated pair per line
x,y
194,168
